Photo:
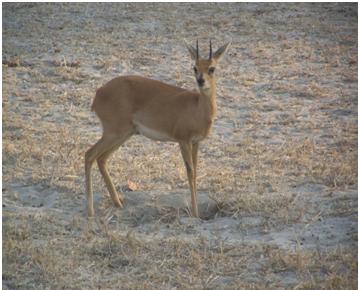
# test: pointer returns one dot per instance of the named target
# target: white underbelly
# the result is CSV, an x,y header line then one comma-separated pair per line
x,y
152,133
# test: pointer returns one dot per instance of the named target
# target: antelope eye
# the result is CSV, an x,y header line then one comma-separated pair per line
x,y
211,70
195,69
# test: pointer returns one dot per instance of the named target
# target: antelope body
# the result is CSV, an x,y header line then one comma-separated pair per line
x,y
130,105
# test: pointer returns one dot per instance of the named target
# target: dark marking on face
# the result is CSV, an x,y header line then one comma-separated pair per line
x,y
200,80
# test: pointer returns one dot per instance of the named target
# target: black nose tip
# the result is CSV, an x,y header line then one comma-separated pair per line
x,y
201,82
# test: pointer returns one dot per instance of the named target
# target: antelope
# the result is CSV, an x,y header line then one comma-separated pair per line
x,y
129,105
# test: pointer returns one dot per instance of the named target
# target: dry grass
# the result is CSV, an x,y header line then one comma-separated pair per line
x,y
115,260
287,120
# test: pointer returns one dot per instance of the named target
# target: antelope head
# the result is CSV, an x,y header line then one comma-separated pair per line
x,y
204,68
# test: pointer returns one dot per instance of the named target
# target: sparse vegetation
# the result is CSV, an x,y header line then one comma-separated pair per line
x,y
281,161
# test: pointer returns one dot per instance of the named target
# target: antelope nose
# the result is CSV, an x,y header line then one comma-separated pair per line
x,y
201,82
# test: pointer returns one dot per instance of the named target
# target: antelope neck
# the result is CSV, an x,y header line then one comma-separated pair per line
x,y
209,100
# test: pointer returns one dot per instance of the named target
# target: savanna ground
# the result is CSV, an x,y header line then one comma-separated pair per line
x,y
280,166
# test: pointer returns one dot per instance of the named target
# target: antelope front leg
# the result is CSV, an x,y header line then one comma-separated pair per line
x,y
195,161
187,153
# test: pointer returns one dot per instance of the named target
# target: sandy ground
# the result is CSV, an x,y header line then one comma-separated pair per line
x,y
277,176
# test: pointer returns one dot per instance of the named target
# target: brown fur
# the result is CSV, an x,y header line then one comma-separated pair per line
x,y
152,98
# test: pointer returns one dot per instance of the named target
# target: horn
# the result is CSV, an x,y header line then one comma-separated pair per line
x,y
197,49
211,51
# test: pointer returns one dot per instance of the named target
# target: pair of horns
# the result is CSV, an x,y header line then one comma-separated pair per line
x,y
197,50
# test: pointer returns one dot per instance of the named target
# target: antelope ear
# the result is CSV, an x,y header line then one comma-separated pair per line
x,y
219,54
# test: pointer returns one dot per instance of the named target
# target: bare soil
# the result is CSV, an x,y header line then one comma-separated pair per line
x,y
277,176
